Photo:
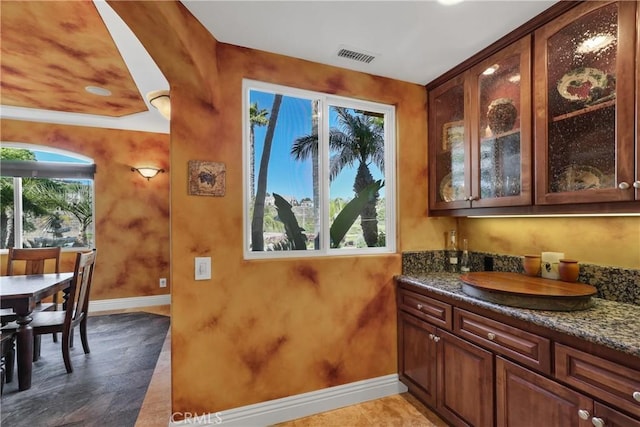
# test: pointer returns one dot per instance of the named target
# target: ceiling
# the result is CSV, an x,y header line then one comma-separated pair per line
x,y
51,51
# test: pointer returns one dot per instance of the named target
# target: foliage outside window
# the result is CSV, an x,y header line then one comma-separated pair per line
x,y
319,173
47,198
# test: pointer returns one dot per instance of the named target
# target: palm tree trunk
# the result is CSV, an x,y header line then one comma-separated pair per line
x,y
368,217
257,223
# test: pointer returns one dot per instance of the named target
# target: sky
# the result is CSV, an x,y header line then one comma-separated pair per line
x,y
287,176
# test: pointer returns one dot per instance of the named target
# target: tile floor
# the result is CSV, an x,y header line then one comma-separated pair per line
x,y
401,410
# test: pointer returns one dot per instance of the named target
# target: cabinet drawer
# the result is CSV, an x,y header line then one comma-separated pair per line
x,y
429,309
601,378
529,349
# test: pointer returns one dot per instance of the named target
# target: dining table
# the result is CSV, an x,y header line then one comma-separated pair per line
x,y
22,293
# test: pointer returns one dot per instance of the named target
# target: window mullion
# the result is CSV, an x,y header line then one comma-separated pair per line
x,y
17,212
323,164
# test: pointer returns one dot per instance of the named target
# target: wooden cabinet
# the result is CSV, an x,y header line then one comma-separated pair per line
x,y
584,98
526,348
447,373
476,370
527,399
570,77
599,377
480,134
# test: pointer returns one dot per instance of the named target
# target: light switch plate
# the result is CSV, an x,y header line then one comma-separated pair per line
x,y
203,268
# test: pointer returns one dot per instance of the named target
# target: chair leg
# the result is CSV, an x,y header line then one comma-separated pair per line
x,y
55,337
65,350
83,336
10,362
36,347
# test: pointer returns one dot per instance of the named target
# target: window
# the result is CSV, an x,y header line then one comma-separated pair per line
x,y
47,197
319,174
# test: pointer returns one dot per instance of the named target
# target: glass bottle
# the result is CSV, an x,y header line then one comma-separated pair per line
x,y
465,266
452,249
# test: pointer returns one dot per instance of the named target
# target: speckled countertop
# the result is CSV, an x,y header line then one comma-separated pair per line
x,y
612,324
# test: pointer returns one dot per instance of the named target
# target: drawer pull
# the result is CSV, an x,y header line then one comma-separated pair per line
x,y
491,336
431,336
436,338
636,396
583,414
419,306
597,422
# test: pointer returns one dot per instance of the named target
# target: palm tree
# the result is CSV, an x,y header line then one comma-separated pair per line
x,y
359,138
257,117
257,222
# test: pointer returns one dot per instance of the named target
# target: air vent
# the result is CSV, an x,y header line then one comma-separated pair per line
x,y
356,56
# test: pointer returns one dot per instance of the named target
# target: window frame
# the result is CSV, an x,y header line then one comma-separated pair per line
x,y
54,170
326,101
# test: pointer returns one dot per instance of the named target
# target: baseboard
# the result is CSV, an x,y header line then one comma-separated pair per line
x,y
301,405
133,302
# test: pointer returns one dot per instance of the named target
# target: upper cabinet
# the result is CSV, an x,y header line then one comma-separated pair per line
x,y
545,121
480,132
584,97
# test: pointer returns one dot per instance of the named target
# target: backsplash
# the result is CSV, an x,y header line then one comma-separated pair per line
x,y
612,283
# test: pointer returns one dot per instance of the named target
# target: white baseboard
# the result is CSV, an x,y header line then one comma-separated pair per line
x,y
133,302
301,405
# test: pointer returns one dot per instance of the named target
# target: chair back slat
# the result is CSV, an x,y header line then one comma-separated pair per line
x,y
78,302
34,260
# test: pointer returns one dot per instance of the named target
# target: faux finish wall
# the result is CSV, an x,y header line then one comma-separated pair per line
x,y
611,241
131,213
261,330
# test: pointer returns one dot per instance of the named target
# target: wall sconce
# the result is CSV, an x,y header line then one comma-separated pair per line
x,y
147,172
161,101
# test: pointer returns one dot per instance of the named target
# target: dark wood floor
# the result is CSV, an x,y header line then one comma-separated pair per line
x,y
107,387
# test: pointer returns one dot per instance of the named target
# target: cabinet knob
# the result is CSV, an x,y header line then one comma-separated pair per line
x,y
472,198
491,336
431,336
597,422
623,185
436,338
636,184
636,396
419,306
584,414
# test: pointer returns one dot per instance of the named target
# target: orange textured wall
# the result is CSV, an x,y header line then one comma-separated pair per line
x,y
613,241
131,213
260,330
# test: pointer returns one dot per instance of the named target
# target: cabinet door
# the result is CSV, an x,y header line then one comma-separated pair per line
x,y
417,357
584,97
449,180
500,123
465,382
526,399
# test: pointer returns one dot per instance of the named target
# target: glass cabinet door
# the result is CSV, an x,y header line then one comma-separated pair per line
x,y
585,77
501,132
449,180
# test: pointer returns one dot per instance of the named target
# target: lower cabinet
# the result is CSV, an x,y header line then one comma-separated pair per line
x,y
527,399
474,370
447,373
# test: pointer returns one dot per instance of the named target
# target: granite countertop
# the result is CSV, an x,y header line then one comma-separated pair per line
x,y
612,324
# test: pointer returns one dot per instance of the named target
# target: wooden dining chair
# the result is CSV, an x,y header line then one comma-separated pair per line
x,y
75,312
33,261
7,357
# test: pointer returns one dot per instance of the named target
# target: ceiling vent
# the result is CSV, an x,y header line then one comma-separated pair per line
x,y
356,56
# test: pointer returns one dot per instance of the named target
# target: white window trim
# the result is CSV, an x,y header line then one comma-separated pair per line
x,y
390,172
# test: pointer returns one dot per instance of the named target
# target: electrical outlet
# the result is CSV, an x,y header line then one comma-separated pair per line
x,y
163,282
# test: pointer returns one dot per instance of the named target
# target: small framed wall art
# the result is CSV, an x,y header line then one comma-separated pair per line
x,y
206,178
